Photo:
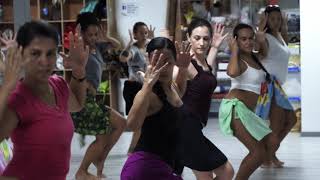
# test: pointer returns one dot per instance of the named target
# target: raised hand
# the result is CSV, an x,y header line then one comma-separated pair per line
x,y
14,64
151,32
218,36
78,53
154,69
263,20
261,29
183,54
102,34
233,46
9,41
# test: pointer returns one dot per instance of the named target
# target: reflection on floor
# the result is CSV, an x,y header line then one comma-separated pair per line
x,y
300,154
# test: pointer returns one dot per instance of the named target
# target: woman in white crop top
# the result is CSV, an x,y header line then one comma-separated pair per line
x,y
276,62
250,79
236,113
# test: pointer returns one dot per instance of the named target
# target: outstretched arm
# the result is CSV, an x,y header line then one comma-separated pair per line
x,y
13,68
78,59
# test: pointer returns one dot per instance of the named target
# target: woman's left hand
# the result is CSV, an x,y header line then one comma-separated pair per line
x,y
78,53
183,54
218,36
102,34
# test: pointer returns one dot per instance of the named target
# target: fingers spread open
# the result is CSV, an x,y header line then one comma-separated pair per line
x,y
163,67
154,58
159,62
188,48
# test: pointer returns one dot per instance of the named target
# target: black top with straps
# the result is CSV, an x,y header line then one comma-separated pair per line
x,y
197,97
158,132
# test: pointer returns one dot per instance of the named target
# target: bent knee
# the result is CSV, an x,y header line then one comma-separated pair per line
x,y
118,123
228,170
260,152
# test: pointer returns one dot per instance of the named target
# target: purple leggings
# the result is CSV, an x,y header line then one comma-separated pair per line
x,y
145,166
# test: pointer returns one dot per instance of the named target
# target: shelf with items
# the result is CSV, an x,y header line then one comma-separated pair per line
x,y
6,11
62,13
6,17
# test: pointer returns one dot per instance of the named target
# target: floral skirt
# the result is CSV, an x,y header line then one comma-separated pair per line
x,y
93,119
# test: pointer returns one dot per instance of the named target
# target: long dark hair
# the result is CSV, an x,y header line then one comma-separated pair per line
x,y
254,57
161,43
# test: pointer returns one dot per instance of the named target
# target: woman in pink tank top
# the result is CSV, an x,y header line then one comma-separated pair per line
x,y
34,110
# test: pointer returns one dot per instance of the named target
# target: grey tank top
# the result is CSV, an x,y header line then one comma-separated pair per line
x,y
136,63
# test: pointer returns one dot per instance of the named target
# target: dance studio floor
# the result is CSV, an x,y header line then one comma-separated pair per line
x,y
300,154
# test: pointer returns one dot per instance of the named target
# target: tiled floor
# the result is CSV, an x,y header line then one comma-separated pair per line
x,y
301,155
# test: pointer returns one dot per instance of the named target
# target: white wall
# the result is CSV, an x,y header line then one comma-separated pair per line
x,y
152,12
310,67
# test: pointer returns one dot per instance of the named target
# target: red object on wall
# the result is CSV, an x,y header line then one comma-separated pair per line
x,y
68,27
273,2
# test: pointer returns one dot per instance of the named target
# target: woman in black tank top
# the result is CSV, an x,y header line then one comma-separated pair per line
x,y
155,111
194,150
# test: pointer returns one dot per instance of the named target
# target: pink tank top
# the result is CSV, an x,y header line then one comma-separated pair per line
x,y
42,139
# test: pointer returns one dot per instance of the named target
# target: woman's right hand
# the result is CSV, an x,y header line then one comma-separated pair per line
x,y
13,67
183,54
233,46
261,30
154,69
9,41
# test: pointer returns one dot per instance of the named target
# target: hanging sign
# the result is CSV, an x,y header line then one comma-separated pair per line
x,y
130,9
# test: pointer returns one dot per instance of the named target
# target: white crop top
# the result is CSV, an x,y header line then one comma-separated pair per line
x,y
249,80
276,61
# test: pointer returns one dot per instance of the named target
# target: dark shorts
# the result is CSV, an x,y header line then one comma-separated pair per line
x,y
194,150
93,119
130,89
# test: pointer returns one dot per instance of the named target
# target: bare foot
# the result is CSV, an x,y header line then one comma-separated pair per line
x,y
103,176
271,165
277,164
99,166
266,165
275,160
82,175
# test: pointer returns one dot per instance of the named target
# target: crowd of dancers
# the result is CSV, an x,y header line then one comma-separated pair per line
x,y
167,94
